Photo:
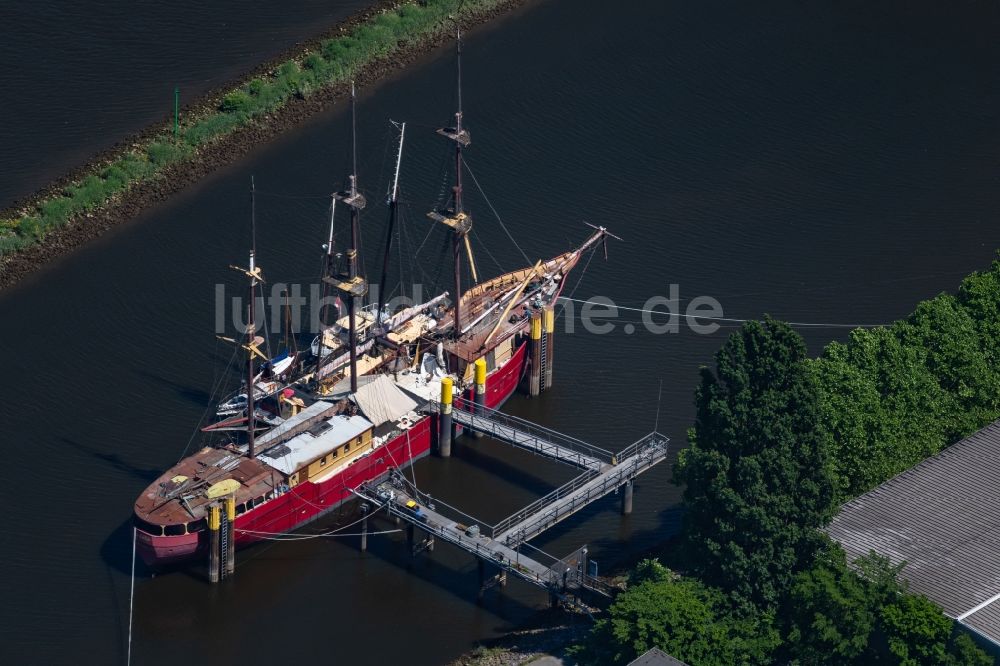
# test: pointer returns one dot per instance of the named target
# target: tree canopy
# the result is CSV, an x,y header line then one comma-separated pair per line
x,y
757,475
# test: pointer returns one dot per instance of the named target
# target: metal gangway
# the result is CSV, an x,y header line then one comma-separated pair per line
x,y
502,544
526,435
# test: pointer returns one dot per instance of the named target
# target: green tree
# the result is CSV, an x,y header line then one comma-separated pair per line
x,y
681,617
829,612
916,631
881,405
757,476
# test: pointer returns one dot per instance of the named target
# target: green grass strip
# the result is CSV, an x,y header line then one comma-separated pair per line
x,y
335,62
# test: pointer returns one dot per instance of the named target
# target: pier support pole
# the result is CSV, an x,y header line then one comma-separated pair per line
x,y
534,381
549,326
364,528
230,563
480,395
213,544
444,420
409,537
481,566
627,498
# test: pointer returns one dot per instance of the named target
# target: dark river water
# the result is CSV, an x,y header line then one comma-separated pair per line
x,y
79,76
827,165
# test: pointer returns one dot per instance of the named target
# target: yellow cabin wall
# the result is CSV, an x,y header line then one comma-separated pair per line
x,y
343,452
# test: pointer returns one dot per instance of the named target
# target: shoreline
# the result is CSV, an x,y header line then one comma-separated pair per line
x,y
202,160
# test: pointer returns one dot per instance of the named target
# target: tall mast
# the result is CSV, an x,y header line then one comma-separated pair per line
x,y
458,130
251,321
328,267
252,341
251,334
352,285
456,218
393,202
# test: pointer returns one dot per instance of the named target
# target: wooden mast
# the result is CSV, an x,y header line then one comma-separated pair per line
x,y
457,219
393,205
251,321
252,342
352,285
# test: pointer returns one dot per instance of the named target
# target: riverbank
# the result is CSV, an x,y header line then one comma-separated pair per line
x,y
548,635
225,125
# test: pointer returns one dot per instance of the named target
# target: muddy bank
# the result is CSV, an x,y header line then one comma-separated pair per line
x,y
549,635
223,151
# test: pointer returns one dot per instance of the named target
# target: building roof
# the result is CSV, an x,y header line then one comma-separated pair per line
x,y
314,443
942,518
656,657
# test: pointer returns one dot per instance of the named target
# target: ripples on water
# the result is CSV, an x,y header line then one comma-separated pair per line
x,y
822,164
79,76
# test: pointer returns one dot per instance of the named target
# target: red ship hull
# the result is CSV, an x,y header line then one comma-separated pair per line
x,y
309,501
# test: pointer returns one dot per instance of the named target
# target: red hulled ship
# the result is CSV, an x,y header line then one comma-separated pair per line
x,y
306,429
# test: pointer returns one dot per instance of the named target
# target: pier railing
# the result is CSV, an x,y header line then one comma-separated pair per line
x,y
578,493
526,435
541,503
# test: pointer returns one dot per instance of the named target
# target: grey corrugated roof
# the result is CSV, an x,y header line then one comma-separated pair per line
x,y
942,518
656,657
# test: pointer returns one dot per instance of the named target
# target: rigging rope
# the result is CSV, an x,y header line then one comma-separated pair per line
x,y
294,537
488,203
794,324
131,598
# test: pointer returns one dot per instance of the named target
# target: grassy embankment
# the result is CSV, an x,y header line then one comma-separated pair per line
x,y
334,62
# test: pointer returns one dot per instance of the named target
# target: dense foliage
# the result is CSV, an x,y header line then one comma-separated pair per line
x,y
680,616
832,615
336,61
757,476
891,397
778,439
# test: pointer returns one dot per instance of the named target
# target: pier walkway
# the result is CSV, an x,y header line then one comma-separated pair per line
x,y
502,544
527,435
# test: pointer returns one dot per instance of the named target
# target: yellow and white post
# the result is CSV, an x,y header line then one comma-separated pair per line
x,y
444,422
549,325
479,397
213,543
534,381
230,563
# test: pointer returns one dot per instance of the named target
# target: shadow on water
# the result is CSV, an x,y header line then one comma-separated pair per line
x,y
114,460
462,582
467,451
116,551
198,396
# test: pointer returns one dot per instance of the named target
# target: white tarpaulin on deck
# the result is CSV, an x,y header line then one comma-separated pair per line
x,y
381,401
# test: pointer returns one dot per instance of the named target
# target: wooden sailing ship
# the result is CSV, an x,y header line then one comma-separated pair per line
x,y
355,408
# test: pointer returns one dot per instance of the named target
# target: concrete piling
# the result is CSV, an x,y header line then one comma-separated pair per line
x,y
445,419
364,528
213,544
549,326
535,379
230,563
479,397
481,567
627,499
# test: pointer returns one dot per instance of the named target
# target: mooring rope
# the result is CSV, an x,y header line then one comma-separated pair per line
x,y
131,599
